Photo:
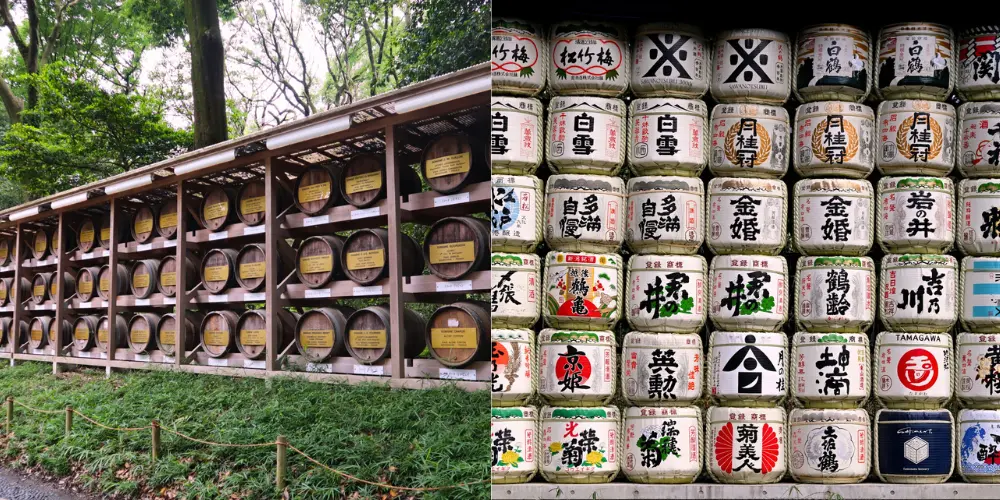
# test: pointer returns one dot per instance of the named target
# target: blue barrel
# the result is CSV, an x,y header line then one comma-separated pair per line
x,y
914,446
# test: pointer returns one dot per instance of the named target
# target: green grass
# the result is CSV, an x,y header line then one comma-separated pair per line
x,y
403,437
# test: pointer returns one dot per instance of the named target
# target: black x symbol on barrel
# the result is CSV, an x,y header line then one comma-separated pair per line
x,y
668,54
748,61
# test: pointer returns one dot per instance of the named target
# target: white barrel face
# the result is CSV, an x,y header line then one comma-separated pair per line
x,y
667,136
749,140
665,215
978,457
667,293
833,217
589,59
829,446
516,134
916,214
832,369
918,293
978,79
747,215
749,369
577,368
580,445
515,300
749,292
520,57
582,290
979,216
514,443
586,135
978,142
670,60
916,138
662,445
978,381
516,217
916,61
584,213
835,294
833,62
662,369
514,365
746,445
752,65
914,369
834,138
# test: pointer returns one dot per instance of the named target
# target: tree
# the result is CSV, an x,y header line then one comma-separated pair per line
x,y
444,36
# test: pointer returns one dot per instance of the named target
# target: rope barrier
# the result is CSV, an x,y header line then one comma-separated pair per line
x,y
119,429
47,412
210,443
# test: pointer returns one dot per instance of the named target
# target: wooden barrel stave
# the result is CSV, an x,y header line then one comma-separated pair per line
x,y
142,332
6,253
457,246
87,234
252,327
143,277
40,287
316,189
87,283
251,264
167,219
216,210
167,276
8,292
38,331
166,332
67,332
369,334
104,278
218,269
104,332
104,233
459,333
85,332
143,226
363,180
40,244
319,333
317,260
218,333
69,281
251,206
364,256
451,161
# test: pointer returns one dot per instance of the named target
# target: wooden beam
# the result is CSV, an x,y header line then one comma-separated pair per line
x,y
62,266
113,291
182,297
395,256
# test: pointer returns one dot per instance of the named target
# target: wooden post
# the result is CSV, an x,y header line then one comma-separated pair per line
x,y
156,440
282,462
181,296
62,266
19,313
10,415
271,279
396,306
69,420
113,288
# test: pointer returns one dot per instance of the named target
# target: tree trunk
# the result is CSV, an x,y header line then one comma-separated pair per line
x,y
207,72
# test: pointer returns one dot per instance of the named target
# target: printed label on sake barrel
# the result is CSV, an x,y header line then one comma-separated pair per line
x,y
919,292
915,61
978,142
577,368
661,369
586,135
916,138
517,219
914,369
670,60
588,58
748,368
829,446
584,213
514,299
749,140
747,215
520,57
513,366
749,292
916,214
981,294
978,357
582,290
835,294
752,65
831,369
833,61
514,442
580,445
978,74
834,138
979,216
978,455
914,446
746,445
668,136
667,293
662,445
515,135
665,214
834,216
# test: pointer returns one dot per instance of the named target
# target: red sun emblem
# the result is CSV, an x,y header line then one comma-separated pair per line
x,y
573,363
917,369
500,354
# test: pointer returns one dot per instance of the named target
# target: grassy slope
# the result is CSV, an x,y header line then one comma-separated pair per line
x,y
407,438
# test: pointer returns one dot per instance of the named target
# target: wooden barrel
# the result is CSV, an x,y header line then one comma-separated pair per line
x,y
319,333
8,292
85,332
87,235
216,211
142,332
315,189
450,163
318,259
6,256
364,180
143,277
167,277
104,280
143,224
459,333
251,265
166,219
40,287
457,246
369,333
66,331
250,202
86,283
364,256
40,244
54,243
104,238
104,332
68,280
19,338
218,271
166,340
218,333
252,337
38,331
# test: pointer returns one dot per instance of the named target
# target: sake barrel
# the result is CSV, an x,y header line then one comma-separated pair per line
x,y
978,458
916,138
142,332
977,384
143,277
834,138
979,216
217,209
829,446
40,287
363,258
68,281
319,257
752,65
582,290
978,152
87,234
978,79
915,61
577,368
517,214
87,283
516,135
520,57
166,281
166,219
457,334
914,369
588,58
368,334
916,214
6,256
166,340
104,277
586,135
835,294
104,234
666,215
315,191
831,369
251,328
38,330
914,446
980,294
105,331
514,443
251,266
142,224
85,332
667,293
749,369
580,445
667,137
218,332
670,59
662,369
583,213
747,215
918,293
456,246
514,366
452,161
749,292
251,203
218,269
514,286
832,62
833,217
749,140
662,445
746,445
40,244
364,180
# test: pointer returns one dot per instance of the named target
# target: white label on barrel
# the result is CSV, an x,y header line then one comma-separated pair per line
x,y
836,295
319,368
253,230
142,357
914,366
169,359
577,370
218,236
454,286
917,137
831,366
751,65
218,362
515,58
913,211
142,302
834,220
979,369
143,247
312,221
169,301
747,220
915,294
254,297
318,294
365,213
976,149
367,290
764,300
369,370
218,298
748,366
668,133
454,199
170,244
650,304
453,374
586,134
254,365
678,456
666,216
750,144
516,129
979,217
83,354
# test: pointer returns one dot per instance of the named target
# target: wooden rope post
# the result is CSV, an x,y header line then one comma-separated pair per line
x,y
10,415
156,440
69,420
282,462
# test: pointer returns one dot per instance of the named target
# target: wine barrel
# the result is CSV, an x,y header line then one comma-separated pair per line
x,y
369,333
315,189
5,333
166,340
251,265
451,162
218,333
457,246
104,239
459,333
85,332
142,332
6,256
166,220
40,244
67,332
8,293
86,283
104,332
143,277
317,260
167,277
364,180
218,271
104,280
68,280
252,328
319,333
87,235
216,210
143,224
251,204
364,256
40,287
38,331
55,244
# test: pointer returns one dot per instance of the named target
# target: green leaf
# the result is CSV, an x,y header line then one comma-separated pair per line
x,y
604,276
767,304
561,73
611,75
687,304
527,72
